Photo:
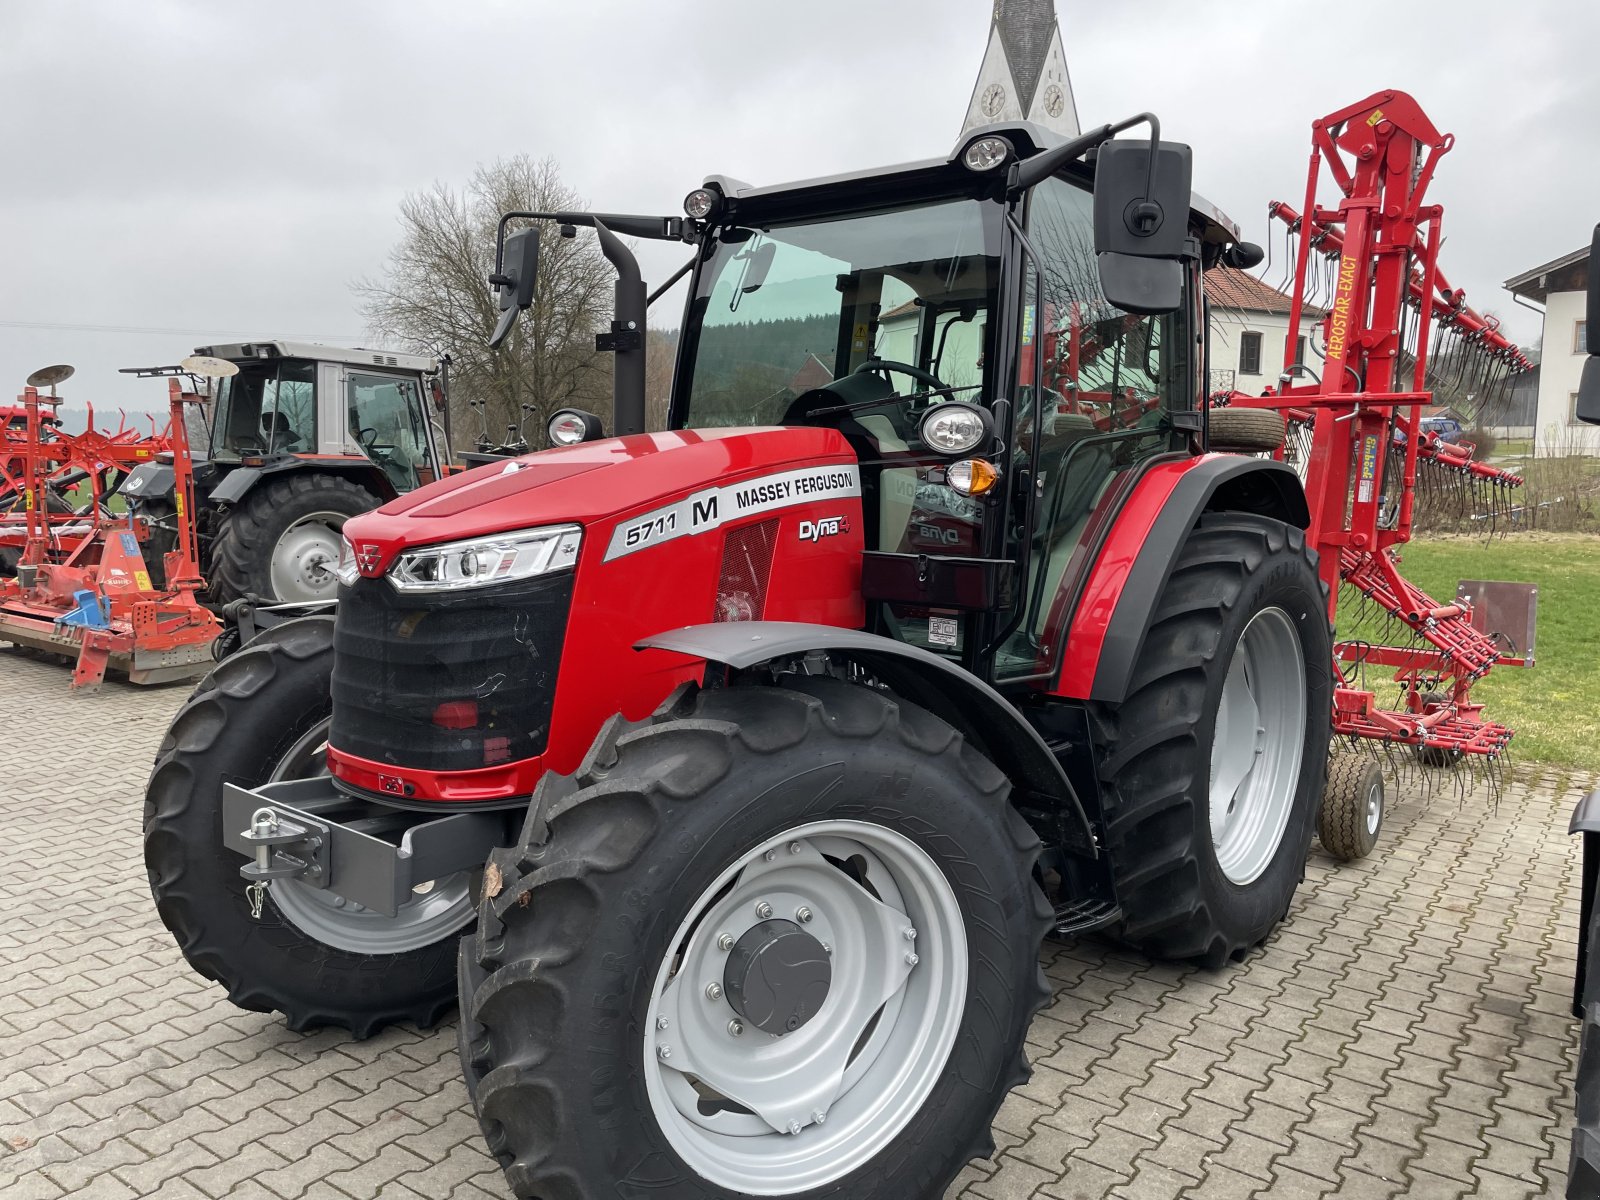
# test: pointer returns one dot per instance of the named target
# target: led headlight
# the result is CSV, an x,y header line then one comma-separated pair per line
x,y
700,203
955,429
571,426
986,154
479,562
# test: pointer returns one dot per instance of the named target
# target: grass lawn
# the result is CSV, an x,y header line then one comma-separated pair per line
x,y
1553,706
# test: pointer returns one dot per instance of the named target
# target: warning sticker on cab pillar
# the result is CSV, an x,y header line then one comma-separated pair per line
x,y
713,507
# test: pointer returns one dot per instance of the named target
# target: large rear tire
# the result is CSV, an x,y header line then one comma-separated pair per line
x,y
281,542
261,714
845,850
1212,767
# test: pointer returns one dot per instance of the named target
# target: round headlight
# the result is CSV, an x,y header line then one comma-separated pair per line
x,y
700,203
571,426
972,476
986,154
954,428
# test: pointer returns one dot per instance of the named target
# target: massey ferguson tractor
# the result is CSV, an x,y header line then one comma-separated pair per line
x,y
302,437
732,775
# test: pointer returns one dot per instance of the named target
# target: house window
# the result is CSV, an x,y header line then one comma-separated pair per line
x,y
1300,351
1580,338
1249,354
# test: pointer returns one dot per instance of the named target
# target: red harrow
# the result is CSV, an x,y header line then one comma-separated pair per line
x,y
81,585
1391,320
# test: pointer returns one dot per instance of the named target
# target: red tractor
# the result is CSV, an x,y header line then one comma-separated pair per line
x,y
732,775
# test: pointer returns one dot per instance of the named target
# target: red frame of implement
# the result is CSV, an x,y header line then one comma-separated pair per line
x,y
1382,153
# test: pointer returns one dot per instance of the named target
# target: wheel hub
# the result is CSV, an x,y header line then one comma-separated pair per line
x,y
777,976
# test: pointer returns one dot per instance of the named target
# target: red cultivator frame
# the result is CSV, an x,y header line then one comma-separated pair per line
x,y
1359,439
82,585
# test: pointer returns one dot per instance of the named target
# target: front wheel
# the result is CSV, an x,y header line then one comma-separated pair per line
x,y
281,542
777,942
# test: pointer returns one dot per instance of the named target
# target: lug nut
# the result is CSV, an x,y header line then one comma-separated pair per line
x,y
802,914
736,1027
724,942
770,855
912,960
664,1050
794,847
910,933
818,1117
827,947
663,1023
794,1127
713,991
763,909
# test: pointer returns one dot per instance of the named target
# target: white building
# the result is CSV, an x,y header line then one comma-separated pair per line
x,y
1560,286
1249,332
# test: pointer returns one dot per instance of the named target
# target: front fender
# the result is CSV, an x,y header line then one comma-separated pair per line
x,y
935,683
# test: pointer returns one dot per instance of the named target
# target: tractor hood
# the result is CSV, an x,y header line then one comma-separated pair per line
x,y
581,485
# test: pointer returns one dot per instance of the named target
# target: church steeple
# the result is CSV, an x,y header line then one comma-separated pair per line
x,y
1024,72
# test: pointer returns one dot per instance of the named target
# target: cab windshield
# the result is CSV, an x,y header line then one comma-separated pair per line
x,y
269,407
785,309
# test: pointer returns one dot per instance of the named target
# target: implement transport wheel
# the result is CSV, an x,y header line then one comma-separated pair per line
x,y
1245,430
776,941
262,716
1353,804
1212,767
281,542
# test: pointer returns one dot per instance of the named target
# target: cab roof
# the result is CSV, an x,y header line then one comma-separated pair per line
x,y
1027,137
276,348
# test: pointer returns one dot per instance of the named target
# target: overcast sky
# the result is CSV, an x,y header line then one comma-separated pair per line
x,y
178,170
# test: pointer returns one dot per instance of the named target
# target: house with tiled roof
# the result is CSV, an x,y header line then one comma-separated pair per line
x,y
1559,288
1250,330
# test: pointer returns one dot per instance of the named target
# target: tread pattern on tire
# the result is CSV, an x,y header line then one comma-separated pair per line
x,y
241,551
221,699
1583,1167
1342,822
602,818
1147,744
1247,430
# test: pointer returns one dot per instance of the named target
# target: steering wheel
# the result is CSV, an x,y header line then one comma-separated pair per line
x,y
888,364
368,443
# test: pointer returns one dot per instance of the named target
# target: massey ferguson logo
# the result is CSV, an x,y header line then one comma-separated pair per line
x,y
815,531
368,557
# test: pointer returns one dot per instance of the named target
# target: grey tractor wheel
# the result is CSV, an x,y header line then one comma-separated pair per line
x,y
1212,767
262,715
1245,430
281,542
777,941
1354,801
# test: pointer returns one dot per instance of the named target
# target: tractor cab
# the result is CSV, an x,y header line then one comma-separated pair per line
x,y
311,400
960,337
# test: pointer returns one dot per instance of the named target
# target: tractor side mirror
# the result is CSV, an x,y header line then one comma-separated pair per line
x,y
1141,222
513,280
1588,406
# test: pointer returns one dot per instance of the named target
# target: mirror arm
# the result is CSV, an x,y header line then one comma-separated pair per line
x,y
1031,172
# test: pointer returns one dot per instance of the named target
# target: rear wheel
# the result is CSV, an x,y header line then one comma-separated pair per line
x,y
779,942
1353,805
1212,767
281,542
262,716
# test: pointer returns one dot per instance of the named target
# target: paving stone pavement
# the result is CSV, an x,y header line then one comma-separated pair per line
x,y
1405,1032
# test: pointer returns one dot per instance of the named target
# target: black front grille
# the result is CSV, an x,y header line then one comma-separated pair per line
x,y
447,681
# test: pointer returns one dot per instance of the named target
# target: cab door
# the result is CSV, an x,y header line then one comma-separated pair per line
x,y
384,419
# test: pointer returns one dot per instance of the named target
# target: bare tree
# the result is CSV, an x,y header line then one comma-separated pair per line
x,y
434,298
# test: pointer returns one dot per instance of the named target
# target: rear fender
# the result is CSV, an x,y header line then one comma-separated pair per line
x,y
1130,572
952,694
236,485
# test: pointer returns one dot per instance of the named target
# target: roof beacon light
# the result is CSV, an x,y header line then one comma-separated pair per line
x,y
700,203
987,153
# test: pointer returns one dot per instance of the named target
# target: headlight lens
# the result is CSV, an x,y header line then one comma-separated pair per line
x,y
986,153
954,428
700,203
479,562
572,426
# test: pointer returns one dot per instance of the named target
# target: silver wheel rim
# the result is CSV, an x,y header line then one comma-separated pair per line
x,y
304,559
768,1115
1374,808
441,908
1256,746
